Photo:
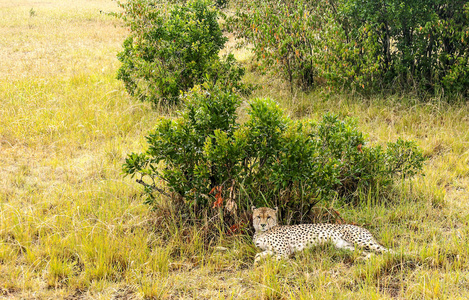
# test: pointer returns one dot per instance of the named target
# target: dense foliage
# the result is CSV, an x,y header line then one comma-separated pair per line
x,y
208,159
283,36
421,43
171,49
364,45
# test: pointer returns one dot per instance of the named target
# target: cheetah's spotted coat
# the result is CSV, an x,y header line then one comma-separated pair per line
x,y
285,240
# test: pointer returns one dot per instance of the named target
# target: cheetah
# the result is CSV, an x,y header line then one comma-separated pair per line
x,y
285,240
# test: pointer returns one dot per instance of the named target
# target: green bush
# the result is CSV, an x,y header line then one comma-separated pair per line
x,y
170,50
282,35
208,159
420,44
362,45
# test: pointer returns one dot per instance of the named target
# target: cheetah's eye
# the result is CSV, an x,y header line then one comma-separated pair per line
x,y
258,217
268,217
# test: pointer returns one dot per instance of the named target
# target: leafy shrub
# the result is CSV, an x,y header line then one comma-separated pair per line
x,y
221,3
171,50
282,35
208,159
363,45
422,44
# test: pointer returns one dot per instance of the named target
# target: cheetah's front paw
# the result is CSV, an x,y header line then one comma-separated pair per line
x,y
262,255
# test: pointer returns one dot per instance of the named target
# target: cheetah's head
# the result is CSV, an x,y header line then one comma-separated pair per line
x,y
264,218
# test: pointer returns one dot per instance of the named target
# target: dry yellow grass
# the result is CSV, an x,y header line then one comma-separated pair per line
x,y
72,227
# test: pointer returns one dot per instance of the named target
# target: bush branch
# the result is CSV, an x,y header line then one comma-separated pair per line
x,y
153,187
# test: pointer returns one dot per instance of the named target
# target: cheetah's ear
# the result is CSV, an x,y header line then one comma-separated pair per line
x,y
253,208
276,208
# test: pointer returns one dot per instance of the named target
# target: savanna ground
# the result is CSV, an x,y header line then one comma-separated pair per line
x,y
72,227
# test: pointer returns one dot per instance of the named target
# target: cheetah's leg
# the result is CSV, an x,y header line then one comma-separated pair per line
x,y
373,245
380,249
262,255
343,244
367,255
376,248
282,254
